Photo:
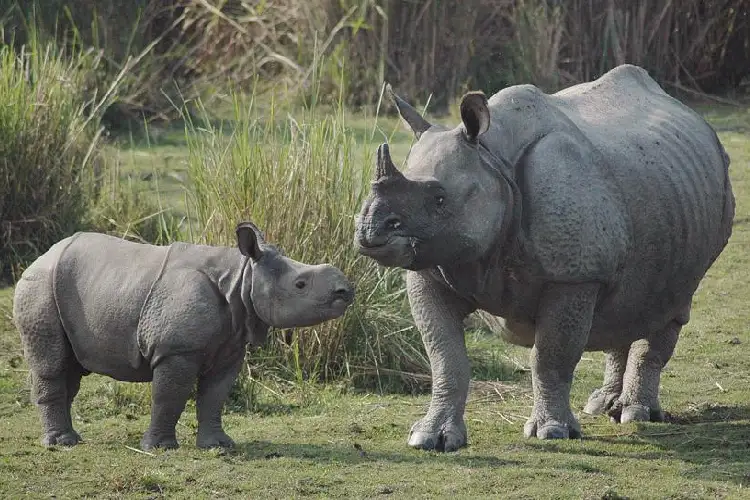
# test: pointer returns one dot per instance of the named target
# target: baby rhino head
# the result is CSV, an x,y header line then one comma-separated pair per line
x,y
286,293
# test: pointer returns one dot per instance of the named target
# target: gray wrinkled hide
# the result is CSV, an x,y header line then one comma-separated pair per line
x,y
586,219
173,315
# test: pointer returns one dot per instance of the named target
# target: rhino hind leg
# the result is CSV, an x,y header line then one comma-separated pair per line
x,y
563,324
602,400
639,401
51,361
173,381
213,391
51,398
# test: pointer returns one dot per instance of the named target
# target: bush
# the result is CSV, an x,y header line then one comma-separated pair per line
x,y
302,179
49,147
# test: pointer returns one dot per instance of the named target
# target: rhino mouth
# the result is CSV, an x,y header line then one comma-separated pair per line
x,y
396,251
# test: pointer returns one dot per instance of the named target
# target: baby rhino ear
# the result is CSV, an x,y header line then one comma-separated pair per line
x,y
247,240
475,114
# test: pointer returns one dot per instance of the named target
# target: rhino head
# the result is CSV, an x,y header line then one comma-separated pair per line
x,y
446,207
286,293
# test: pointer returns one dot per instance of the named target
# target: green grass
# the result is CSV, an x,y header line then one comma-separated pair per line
x,y
306,440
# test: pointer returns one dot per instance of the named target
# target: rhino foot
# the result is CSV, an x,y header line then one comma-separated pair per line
x,y
438,435
217,439
552,429
149,442
600,402
634,412
68,438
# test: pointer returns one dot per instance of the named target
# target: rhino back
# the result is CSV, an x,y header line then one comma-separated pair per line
x,y
100,284
662,156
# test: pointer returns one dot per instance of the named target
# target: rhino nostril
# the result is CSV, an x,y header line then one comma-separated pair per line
x,y
343,292
393,221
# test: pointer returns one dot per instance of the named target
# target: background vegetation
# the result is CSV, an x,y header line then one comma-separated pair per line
x,y
426,48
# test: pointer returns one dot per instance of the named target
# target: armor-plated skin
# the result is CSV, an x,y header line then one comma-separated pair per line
x,y
585,219
172,315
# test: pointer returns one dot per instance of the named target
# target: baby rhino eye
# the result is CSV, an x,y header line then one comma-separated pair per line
x,y
300,284
439,200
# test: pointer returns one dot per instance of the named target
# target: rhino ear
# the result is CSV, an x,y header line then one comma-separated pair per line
x,y
475,114
410,115
248,238
384,166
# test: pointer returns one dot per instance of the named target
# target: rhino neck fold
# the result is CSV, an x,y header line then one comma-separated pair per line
x,y
231,273
472,279
506,175
255,329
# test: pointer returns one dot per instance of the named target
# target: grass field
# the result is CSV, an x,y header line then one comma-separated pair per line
x,y
331,441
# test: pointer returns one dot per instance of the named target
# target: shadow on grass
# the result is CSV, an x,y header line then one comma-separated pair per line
x,y
355,454
713,439
713,442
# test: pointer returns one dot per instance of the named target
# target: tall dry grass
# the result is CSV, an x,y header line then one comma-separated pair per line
x,y
427,48
301,175
690,44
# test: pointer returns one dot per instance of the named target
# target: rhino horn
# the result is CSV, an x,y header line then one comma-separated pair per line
x,y
410,115
384,166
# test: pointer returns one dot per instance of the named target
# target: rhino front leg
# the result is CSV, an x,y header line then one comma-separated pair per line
x,y
439,316
213,390
602,400
562,328
639,400
174,379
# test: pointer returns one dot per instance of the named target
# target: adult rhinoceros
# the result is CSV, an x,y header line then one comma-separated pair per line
x,y
585,219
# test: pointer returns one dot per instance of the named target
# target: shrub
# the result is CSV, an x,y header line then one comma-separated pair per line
x,y
302,179
49,147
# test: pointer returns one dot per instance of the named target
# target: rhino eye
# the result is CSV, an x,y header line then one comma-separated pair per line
x,y
439,200
300,284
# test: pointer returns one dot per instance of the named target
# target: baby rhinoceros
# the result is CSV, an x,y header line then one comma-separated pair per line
x,y
166,314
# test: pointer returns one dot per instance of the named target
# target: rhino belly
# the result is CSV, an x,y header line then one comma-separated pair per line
x,y
99,295
673,177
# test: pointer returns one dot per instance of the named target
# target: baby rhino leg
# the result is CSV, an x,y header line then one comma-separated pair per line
x,y
174,379
55,373
213,390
